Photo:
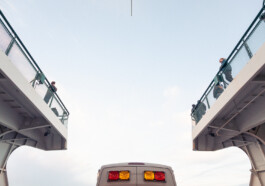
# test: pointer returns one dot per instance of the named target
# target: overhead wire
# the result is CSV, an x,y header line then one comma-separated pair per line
x,y
132,7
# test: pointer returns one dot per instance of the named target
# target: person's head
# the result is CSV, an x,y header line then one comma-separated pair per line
x,y
221,60
193,105
53,82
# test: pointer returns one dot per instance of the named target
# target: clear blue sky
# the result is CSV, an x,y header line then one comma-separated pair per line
x,y
129,83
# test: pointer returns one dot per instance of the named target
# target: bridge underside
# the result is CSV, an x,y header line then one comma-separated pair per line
x,y
243,116
21,124
238,118
22,117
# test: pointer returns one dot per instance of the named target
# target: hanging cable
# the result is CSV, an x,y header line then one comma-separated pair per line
x,y
132,6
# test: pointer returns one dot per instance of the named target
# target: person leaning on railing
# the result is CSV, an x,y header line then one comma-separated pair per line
x,y
201,109
194,113
226,69
217,90
52,89
198,110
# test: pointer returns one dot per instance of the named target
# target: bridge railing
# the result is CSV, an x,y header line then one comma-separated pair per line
x,y
247,46
18,54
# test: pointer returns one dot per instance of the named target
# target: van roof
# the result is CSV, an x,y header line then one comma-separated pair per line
x,y
138,164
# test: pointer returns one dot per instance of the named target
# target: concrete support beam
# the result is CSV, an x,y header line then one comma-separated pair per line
x,y
5,152
256,156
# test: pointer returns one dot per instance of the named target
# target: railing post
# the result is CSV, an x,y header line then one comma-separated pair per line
x,y
51,101
248,49
207,101
221,79
10,45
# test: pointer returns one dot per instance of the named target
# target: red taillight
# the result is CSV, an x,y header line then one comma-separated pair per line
x,y
113,175
160,176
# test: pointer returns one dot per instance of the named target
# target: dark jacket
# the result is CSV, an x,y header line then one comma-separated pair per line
x,y
225,66
217,91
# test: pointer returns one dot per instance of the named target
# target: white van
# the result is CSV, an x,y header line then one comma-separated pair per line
x,y
135,174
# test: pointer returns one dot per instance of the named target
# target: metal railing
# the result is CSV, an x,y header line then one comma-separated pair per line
x,y
18,54
247,46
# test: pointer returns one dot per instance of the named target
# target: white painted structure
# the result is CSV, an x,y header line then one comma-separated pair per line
x,y
25,118
237,118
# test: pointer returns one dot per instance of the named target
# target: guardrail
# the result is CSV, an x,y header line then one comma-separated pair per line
x,y
14,48
247,46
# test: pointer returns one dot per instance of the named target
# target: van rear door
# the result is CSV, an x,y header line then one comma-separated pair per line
x,y
104,177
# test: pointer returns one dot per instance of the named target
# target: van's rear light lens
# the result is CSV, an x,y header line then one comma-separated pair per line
x,y
113,175
119,175
124,175
149,175
160,176
154,176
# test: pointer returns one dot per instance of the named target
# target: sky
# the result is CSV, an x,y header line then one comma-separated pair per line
x,y
129,83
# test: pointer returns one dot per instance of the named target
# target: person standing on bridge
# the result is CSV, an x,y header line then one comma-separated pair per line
x,y
194,113
51,90
201,107
226,69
